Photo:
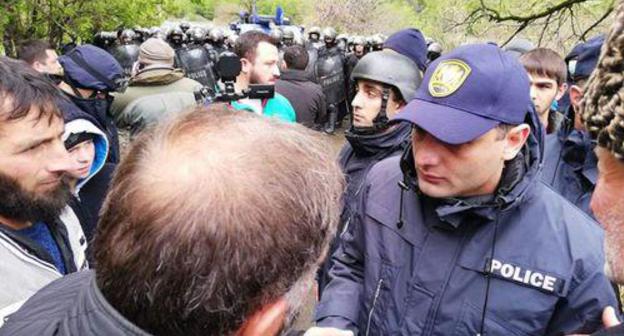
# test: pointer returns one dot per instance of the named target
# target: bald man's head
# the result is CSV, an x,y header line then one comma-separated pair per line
x,y
213,215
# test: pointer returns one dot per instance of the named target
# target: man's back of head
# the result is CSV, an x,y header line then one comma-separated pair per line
x,y
213,217
296,57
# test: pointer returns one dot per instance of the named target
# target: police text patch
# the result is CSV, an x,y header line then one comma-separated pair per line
x,y
524,276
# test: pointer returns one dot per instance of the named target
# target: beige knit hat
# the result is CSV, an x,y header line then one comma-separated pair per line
x,y
156,51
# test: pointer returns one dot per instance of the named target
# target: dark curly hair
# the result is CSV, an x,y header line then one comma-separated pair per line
x,y
602,108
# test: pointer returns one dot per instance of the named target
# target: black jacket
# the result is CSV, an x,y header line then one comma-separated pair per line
x,y
73,306
304,95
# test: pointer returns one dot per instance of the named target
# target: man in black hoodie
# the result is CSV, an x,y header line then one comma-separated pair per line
x,y
295,84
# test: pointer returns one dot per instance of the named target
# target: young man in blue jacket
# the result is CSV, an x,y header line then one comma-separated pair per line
x,y
459,236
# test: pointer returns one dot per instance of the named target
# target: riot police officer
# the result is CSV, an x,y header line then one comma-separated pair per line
x,y
176,38
314,37
331,73
195,59
127,52
288,38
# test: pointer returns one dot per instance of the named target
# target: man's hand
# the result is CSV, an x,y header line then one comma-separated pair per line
x,y
316,331
609,318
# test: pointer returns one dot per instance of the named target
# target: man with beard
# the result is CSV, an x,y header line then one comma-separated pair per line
x,y
260,65
40,237
199,235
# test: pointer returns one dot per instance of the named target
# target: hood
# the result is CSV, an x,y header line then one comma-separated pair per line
x,y
519,175
371,144
161,75
295,75
101,146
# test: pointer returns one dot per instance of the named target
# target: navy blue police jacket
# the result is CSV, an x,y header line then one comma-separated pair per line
x,y
428,276
570,165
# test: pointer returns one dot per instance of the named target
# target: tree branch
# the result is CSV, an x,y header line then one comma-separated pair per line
x,y
602,18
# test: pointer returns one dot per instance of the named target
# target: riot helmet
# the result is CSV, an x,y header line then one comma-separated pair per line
x,y
196,35
277,35
392,71
434,50
185,26
216,35
127,36
359,46
329,36
289,37
377,42
176,37
314,34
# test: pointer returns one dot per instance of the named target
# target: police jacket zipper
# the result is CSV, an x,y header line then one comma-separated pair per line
x,y
370,314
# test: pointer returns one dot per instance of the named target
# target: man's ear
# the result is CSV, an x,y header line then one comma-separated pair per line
x,y
514,140
245,66
268,321
38,66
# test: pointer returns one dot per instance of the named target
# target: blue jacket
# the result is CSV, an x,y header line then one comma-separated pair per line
x,y
570,166
428,276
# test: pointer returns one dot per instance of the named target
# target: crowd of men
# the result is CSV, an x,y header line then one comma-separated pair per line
x,y
478,191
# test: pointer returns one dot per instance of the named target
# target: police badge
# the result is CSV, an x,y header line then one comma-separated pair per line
x,y
448,77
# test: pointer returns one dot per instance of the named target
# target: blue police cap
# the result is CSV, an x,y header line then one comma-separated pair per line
x,y
469,91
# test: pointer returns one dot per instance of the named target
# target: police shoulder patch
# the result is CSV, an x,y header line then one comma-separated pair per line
x,y
448,77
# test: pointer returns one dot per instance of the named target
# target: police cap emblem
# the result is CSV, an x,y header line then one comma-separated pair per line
x,y
448,76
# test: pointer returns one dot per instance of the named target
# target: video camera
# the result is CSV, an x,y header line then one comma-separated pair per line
x,y
228,68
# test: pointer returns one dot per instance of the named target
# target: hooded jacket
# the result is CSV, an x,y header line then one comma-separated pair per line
x,y
26,267
413,265
90,191
570,165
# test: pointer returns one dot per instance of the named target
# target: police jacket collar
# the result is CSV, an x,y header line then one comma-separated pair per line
x,y
372,144
519,178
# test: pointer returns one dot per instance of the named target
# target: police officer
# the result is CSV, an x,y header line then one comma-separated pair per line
x,y
331,73
359,46
314,37
385,82
288,39
457,236
127,51
176,38
195,60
